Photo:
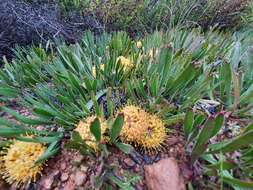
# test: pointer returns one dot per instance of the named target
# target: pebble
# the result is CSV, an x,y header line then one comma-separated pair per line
x,y
138,187
80,178
78,159
48,183
63,165
70,185
129,163
84,168
64,177
137,169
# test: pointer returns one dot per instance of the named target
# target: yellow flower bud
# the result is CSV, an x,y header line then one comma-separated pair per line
x,y
94,73
139,44
126,62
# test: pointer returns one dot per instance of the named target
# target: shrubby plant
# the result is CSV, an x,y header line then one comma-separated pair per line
x,y
88,88
147,15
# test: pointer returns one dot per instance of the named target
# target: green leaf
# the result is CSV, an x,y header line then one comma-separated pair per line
x,y
175,119
218,124
25,119
126,148
11,132
51,151
121,184
203,137
225,76
75,136
238,183
188,122
116,128
9,92
6,123
226,165
95,129
4,143
44,140
247,95
248,128
210,129
241,141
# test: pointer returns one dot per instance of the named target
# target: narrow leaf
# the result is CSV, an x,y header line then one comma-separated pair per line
x,y
116,128
188,122
95,129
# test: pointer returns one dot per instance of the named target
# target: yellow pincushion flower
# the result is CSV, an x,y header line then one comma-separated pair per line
x,y
102,68
83,128
134,118
18,161
142,128
126,62
155,133
138,44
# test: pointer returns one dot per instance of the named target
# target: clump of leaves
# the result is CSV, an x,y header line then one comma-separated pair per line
x,y
200,131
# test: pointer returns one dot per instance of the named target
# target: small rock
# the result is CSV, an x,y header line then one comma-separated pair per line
x,y
172,141
164,175
80,178
64,177
84,168
129,162
78,158
55,183
186,171
63,165
137,169
138,187
70,185
48,182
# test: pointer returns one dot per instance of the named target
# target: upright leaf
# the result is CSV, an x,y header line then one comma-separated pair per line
x,y
116,128
188,122
95,129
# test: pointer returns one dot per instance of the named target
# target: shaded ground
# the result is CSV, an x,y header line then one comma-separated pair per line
x,y
23,24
